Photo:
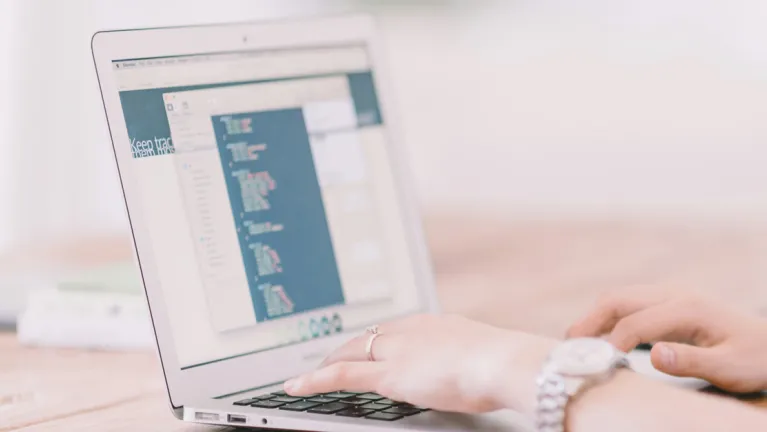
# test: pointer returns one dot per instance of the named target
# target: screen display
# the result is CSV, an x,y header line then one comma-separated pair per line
x,y
268,195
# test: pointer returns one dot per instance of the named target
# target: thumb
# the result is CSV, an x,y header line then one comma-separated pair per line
x,y
682,360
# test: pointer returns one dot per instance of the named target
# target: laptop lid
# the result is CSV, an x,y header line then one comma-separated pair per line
x,y
270,212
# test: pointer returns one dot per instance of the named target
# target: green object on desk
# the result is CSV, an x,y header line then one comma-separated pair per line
x,y
121,277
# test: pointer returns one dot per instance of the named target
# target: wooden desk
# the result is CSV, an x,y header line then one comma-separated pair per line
x,y
539,275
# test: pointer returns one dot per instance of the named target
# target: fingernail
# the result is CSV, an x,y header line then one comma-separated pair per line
x,y
667,356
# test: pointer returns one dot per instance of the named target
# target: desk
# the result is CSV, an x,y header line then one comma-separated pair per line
x,y
539,275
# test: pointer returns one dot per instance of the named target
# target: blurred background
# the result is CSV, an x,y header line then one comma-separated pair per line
x,y
547,112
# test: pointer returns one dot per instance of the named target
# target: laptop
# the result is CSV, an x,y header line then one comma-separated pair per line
x,y
271,215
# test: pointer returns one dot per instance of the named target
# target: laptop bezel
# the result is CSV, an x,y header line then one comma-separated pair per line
x,y
278,364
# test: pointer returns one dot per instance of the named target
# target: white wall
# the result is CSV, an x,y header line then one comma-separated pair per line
x,y
7,32
569,107
590,107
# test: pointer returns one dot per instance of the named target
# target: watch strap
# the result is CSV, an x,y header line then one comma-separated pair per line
x,y
552,402
553,398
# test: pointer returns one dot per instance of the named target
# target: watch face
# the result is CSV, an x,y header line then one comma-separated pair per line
x,y
586,356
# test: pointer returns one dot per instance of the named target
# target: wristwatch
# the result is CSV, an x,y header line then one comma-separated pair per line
x,y
572,367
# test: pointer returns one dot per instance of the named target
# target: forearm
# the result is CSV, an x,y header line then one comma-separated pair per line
x,y
630,402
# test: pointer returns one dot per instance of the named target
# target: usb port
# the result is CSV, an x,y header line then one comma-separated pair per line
x,y
236,419
203,416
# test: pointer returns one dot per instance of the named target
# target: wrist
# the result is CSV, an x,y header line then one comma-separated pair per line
x,y
518,391
583,408
560,375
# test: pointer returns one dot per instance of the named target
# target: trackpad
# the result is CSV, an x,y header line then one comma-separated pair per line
x,y
640,362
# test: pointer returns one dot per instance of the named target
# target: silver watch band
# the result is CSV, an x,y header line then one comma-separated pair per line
x,y
553,398
552,402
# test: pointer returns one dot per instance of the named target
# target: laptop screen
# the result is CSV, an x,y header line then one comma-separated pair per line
x,y
268,195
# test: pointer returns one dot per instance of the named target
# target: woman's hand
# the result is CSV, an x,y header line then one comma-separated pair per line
x,y
447,363
693,337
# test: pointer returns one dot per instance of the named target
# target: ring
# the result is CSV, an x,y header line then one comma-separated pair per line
x,y
372,329
369,347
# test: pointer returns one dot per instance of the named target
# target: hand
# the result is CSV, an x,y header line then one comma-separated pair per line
x,y
447,363
693,337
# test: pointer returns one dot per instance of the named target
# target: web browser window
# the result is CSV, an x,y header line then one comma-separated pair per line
x,y
269,196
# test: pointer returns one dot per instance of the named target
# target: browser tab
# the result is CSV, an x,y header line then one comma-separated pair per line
x,y
240,66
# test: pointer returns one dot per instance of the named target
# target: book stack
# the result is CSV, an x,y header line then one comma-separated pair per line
x,y
101,308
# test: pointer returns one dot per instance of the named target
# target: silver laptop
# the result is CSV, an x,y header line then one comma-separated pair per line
x,y
270,214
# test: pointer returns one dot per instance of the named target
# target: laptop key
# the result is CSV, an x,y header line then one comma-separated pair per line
x,y
384,416
322,399
388,402
267,404
402,410
339,395
299,406
330,408
376,406
279,393
355,401
370,396
355,412
245,402
407,405
286,399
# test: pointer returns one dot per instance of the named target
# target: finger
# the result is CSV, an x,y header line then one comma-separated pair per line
x,y
355,350
348,376
612,309
684,360
668,322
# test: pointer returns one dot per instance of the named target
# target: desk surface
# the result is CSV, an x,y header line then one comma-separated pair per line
x,y
540,275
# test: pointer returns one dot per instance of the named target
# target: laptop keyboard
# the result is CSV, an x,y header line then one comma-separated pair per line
x,y
345,404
